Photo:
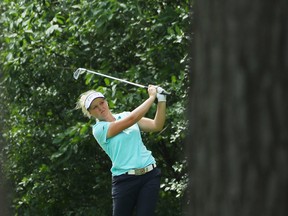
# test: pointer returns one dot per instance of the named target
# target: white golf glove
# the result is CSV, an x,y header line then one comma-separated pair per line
x,y
160,96
160,90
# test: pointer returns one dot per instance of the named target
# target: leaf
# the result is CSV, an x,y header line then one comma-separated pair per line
x,y
53,28
107,81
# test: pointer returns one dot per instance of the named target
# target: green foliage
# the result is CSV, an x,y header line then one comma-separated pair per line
x,y
53,161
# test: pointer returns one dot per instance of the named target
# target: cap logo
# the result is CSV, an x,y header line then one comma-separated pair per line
x,y
91,97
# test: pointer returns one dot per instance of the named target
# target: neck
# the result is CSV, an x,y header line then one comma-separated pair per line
x,y
108,118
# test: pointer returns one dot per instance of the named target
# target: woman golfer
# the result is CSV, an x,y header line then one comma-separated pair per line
x,y
135,177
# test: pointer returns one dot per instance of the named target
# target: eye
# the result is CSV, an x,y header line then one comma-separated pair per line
x,y
94,107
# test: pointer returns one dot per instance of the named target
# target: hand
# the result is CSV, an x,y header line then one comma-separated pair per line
x,y
160,94
152,90
162,91
161,97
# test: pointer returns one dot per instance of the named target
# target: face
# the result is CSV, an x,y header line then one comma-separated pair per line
x,y
99,108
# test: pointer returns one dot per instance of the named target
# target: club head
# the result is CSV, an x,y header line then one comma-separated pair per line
x,y
78,72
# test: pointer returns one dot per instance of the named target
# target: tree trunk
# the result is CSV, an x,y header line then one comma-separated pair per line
x,y
238,136
5,194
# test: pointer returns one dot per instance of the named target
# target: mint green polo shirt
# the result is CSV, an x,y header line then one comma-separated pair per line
x,y
126,150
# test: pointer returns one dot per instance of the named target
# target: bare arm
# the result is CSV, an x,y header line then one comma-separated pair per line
x,y
156,124
118,126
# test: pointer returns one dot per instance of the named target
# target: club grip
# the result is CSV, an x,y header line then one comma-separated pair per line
x,y
162,91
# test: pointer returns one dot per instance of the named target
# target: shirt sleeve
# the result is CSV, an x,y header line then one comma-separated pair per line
x,y
100,130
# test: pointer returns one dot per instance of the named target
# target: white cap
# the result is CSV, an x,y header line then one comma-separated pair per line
x,y
92,96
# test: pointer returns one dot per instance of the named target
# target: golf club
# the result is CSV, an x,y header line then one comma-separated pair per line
x,y
80,71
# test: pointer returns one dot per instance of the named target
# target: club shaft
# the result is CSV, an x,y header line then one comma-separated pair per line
x,y
79,71
115,78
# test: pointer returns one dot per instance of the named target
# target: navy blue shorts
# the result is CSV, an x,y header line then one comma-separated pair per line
x,y
138,192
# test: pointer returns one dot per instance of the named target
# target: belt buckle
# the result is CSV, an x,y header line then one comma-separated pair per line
x,y
140,171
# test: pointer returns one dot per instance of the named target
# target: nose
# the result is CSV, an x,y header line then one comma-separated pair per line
x,y
100,109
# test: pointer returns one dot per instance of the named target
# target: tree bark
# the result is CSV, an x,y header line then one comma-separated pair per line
x,y
238,123
5,194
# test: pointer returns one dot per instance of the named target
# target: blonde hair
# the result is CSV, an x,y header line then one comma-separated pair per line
x,y
80,104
